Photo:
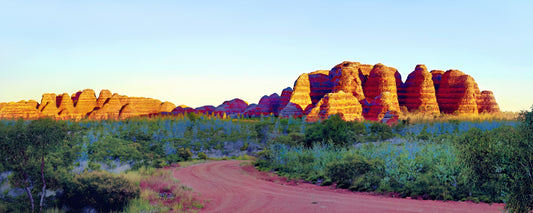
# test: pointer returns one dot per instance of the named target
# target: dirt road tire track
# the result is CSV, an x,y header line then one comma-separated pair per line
x,y
229,188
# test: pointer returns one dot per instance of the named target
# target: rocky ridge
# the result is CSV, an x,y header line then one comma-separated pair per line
x,y
355,91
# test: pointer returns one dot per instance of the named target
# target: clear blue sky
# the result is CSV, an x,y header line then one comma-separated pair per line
x,y
204,52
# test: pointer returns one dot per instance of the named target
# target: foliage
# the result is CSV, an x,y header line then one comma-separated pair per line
x,y
40,154
333,130
101,190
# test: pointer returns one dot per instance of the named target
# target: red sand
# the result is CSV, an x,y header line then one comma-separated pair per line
x,y
229,187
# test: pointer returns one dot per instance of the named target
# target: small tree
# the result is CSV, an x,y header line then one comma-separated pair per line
x,y
26,147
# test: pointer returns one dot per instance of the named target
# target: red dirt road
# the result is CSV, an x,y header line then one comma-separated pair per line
x,y
230,188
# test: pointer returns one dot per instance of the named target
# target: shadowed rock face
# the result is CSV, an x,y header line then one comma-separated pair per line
x,y
418,92
436,77
267,105
285,97
233,107
320,84
292,110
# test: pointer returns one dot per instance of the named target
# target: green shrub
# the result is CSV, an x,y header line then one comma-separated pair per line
x,y
202,156
381,131
345,172
184,153
101,190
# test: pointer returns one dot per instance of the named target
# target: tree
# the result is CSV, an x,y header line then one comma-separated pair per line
x,y
28,146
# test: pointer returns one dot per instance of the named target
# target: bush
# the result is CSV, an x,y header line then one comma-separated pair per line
x,y
345,172
101,190
333,130
381,131
184,153
202,156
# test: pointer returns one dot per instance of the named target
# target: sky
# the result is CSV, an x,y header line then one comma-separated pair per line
x,y
205,52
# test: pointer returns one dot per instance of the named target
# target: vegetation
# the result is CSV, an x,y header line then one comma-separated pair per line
x,y
100,190
447,159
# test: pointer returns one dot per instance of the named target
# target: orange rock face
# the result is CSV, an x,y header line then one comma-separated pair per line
x,y
48,106
346,77
84,102
302,90
418,93
166,107
102,98
109,110
488,103
380,80
341,103
21,109
458,93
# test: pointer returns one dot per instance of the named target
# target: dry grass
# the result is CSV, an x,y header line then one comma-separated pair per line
x,y
162,191
426,118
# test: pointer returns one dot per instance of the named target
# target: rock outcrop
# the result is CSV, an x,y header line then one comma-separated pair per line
x,y
352,89
488,103
102,98
320,84
302,90
48,106
418,92
346,77
291,110
233,107
285,97
436,77
84,102
20,110
344,104
267,105
457,93
383,79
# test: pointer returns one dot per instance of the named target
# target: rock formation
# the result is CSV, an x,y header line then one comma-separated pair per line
x,y
267,105
292,110
380,80
84,102
20,110
352,89
302,90
418,92
102,98
457,93
488,103
285,97
344,104
48,106
233,107
436,77
320,84
347,77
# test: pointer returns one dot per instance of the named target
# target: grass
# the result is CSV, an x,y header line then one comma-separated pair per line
x,y
161,192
